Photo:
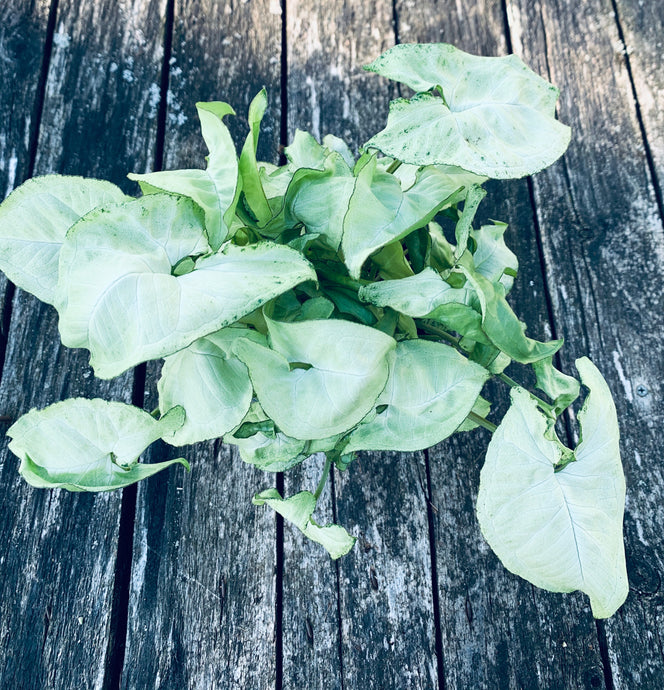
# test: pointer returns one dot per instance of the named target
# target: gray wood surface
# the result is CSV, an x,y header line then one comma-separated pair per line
x,y
59,550
207,591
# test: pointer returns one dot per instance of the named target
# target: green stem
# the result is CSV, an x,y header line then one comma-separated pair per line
x,y
340,279
474,417
324,476
513,384
394,165
441,333
155,413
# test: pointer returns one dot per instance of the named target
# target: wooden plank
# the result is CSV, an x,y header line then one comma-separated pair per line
x,y
385,591
603,245
641,27
496,630
203,598
59,549
23,43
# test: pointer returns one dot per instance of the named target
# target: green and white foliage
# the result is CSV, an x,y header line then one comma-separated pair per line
x,y
491,116
330,305
89,445
553,516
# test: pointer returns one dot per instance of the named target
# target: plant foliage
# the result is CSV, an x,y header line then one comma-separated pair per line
x,y
330,305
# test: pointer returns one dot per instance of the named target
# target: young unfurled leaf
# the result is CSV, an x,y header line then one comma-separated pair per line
x,y
215,189
298,510
495,117
34,220
492,257
118,298
430,391
379,212
348,367
465,223
210,383
560,530
248,166
89,445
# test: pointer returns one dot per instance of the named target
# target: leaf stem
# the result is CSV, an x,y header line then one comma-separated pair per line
x,y
340,279
513,384
324,476
474,417
394,165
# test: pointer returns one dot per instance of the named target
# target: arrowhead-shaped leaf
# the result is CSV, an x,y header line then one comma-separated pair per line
x,y
89,445
214,189
321,377
210,383
492,257
430,391
560,530
34,220
118,297
495,117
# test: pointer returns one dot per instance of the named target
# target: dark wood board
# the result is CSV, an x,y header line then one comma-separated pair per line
x,y
59,549
203,589
603,244
640,30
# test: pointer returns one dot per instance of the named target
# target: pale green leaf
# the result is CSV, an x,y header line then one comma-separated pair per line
x,y
305,152
118,298
215,189
503,327
267,448
430,391
298,509
495,117
341,147
251,180
321,377
561,388
34,220
560,530
492,258
89,445
380,212
319,199
210,383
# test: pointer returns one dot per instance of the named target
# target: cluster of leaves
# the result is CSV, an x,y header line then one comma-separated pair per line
x,y
329,305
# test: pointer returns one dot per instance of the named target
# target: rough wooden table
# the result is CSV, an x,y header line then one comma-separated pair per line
x,y
182,583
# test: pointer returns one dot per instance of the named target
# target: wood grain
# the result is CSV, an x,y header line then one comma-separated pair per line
x,y
203,588
497,630
603,245
59,551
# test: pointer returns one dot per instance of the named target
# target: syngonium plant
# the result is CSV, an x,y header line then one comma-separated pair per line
x,y
330,305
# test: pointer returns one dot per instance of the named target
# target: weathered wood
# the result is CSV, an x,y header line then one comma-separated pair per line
x,y
59,551
203,597
385,586
641,26
603,245
495,628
